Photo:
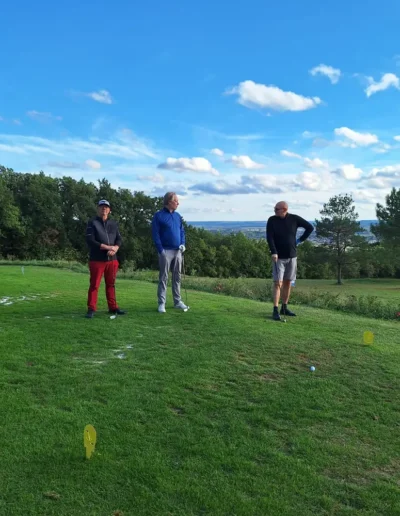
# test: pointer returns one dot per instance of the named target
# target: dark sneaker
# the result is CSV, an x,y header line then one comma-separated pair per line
x,y
276,316
286,311
89,314
117,312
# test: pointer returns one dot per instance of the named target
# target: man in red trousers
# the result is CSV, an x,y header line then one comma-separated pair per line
x,y
104,240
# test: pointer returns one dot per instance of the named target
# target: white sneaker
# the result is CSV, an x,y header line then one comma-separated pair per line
x,y
181,306
161,308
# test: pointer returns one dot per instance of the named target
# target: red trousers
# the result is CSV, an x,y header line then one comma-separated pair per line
x,y
97,269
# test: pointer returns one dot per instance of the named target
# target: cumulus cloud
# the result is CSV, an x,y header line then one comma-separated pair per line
x,y
221,188
349,172
315,163
44,118
197,165
310,181
397,138
388,80
333,74
217,152
254,95
356,139
245,162
364,197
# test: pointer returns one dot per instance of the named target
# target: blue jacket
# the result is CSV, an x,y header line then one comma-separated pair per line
x,y
167,230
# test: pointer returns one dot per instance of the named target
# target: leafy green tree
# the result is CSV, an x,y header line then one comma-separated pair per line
x,y
340,230
388,228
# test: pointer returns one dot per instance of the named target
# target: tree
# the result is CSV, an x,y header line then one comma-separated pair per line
x,y
340,230
388,228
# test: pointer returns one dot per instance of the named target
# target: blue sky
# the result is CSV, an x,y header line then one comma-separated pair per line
x,y
233,105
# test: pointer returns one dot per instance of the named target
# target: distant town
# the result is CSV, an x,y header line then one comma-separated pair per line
x,y
256,229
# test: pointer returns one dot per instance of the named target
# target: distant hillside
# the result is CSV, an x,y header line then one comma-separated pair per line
x,y
256,228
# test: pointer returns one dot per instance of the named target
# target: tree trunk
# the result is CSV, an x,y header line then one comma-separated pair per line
x,y
339,273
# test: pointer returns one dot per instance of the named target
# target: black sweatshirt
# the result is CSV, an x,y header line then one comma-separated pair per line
x,y
281,234
99,232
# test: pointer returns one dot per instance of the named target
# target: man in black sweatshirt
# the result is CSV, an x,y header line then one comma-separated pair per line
x,y
104,240
281,237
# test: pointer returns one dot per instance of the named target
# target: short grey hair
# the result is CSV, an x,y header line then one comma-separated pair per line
x,y
168,197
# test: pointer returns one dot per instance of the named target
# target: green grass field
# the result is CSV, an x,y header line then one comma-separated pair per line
x,y
213,411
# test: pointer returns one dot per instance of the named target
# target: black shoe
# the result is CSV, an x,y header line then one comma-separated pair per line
x,y
117,312
276,316
90,314
286,311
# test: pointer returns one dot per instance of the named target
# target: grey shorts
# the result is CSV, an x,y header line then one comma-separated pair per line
x,y
284,269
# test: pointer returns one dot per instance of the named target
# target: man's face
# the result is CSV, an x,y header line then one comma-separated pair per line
x,y
173,203
280,210
103,210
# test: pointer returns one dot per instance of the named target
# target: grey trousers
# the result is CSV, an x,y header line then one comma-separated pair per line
x,y
169,260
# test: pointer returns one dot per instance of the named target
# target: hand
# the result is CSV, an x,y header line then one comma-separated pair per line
x,y
111,253
182,248
274,258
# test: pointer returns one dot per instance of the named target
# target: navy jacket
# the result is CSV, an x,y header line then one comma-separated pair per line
x,y
167,230
99,232
281,234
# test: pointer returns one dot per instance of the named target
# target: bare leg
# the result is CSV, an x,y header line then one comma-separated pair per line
x,y
277,292
286,287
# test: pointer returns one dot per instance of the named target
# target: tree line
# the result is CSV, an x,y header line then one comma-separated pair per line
x,y
43,218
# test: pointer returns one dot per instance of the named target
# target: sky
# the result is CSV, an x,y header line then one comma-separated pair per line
x,y
233,105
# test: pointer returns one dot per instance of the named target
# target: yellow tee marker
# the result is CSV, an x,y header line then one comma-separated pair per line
x,y
89,440
368,337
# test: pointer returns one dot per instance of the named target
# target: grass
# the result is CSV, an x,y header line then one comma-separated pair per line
x,y
213,411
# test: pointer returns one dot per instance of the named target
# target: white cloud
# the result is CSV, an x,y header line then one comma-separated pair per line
x,y
388,80
198,165
93,164
217,152
245,162
289,154
308,162
43,117
364,197
310,181
397,138
264,183
333,74
379,183
388,171
102,96
123,145
308,134
315,163
12,149
383,148
157,178
349,172
16,121
356,138
254,95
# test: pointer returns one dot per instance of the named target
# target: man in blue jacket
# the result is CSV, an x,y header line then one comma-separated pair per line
x,y
169,238
104,240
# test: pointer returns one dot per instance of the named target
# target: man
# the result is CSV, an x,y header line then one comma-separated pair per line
x,y
169,238
104,240
281,237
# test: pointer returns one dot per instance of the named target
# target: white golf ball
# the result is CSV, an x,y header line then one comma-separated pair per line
x,y
312,368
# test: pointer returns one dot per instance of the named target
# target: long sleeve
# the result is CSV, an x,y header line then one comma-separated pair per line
x,y
118,239
270,237
91,236
155,232
308,228
183,236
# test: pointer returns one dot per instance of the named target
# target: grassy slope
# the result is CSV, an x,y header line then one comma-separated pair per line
x,y
213,411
